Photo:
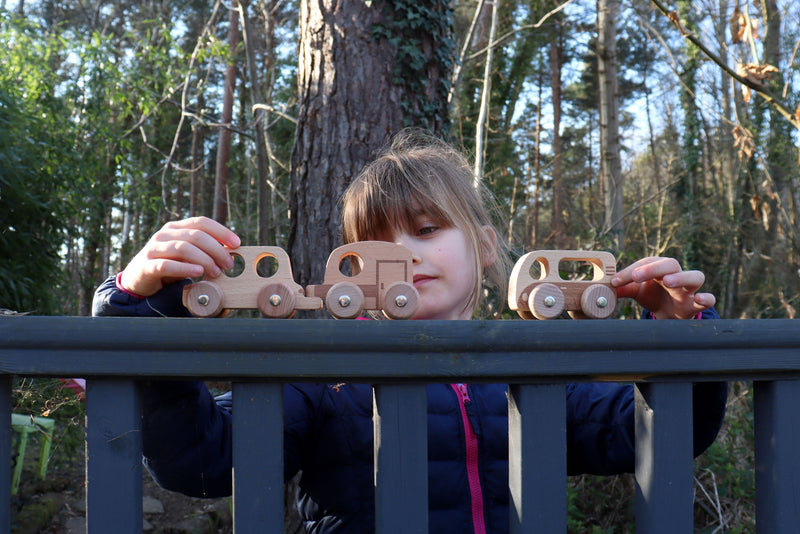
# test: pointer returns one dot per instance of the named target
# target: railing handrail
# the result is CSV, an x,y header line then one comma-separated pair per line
x,y
375,351
536,357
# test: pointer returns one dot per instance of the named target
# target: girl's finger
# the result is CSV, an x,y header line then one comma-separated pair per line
x,y
690,281
186,243
704,300
167,269
657,269
213,258
208,226
646,269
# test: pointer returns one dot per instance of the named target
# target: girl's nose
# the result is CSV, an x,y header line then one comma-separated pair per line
x,y
407,242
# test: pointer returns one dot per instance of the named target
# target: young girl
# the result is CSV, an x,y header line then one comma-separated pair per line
x,y
419,193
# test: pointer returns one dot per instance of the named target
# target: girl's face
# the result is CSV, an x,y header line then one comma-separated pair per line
x,y
444,268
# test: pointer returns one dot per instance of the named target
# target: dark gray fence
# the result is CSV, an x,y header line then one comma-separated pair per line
x,y
538,358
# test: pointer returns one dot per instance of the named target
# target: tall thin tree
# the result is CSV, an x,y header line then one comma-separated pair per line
x,y
610,166
224,144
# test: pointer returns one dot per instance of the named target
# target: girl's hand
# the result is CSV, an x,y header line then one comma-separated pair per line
x,y
180,249
661,286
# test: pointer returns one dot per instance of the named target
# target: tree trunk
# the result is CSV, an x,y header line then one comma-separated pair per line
x,y
224,145
482,126
261,117
692,147
355,91
610,167
558,227
532,212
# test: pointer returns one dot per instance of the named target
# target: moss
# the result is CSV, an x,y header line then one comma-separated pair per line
x,y
36,515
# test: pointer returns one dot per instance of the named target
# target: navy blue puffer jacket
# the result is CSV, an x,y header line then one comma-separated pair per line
x,y
328,435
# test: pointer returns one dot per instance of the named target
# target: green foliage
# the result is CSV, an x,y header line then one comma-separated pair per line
x,y
600,505
422,35
49,398
35,164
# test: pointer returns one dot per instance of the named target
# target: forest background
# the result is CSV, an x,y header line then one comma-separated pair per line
x,y
641,127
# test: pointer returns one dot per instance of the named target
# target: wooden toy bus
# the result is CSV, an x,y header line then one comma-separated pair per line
x,y
548,295
275,294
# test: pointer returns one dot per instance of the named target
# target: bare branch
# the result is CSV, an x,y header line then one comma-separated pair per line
x,y
276,111
758,88
791,60
185,84
502,39
456,75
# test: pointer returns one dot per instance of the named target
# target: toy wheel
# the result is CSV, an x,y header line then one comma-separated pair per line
x,y
577,315
400,301
525,314
276,301
203,299
598,301
546,301
345,300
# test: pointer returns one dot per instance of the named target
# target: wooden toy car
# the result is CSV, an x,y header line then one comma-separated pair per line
x,y
276,295
382,280
550,294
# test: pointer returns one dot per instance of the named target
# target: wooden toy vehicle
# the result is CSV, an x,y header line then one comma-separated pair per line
x,y
382,280
276,295
550,294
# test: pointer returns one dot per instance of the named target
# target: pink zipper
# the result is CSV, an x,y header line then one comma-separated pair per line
x,y
475,491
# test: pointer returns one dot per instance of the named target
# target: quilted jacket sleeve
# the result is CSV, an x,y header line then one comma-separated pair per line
x,y
110,301
186,432
186,436
600,422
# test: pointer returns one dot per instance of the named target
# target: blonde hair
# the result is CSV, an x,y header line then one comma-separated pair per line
x,y
419,174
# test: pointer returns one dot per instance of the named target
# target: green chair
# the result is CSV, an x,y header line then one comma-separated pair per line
x,y
24,425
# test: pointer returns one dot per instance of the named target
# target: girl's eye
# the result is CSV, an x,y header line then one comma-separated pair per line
x,y
427,230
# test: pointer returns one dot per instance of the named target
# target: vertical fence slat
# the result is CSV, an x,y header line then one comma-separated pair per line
x,y
5,452
537,429
777,442
258,457
664,459
400,415
113,456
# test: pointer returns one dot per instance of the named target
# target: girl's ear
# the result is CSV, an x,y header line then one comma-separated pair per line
x,y
489,244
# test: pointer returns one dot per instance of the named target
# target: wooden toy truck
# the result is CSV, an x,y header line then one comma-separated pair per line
x,y
549,295
382,280
276,296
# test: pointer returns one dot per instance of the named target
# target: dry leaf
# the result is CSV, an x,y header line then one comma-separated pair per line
x,y
755,204
743,142
746,94
755,74
797,118
740,71
675,19
765,212
738,25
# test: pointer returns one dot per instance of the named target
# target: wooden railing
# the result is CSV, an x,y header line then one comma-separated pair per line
x,y
537,358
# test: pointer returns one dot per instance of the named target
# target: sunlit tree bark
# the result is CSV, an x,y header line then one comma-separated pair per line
x,y
355,92
224,145
610,167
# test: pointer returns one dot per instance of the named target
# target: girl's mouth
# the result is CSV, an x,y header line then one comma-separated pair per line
x,y
422,279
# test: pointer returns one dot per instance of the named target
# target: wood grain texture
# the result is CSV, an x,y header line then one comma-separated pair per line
x,y
527,294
